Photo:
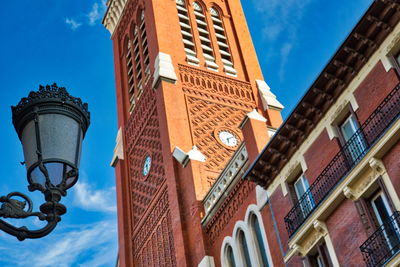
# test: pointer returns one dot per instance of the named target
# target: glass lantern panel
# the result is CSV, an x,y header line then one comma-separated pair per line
x,y
37,177
56,172
29,144
59,137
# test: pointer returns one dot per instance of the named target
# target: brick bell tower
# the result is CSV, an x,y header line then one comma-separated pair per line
x,y
189,92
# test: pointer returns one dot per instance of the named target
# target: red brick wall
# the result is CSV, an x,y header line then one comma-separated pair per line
x,y
392,163
347,234
376,86
281,206
319,155
273,242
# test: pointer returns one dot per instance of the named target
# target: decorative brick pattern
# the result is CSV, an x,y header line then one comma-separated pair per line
x,y
205,117
159,249
149,143
216,88
152,241
228,209
128,14
214,101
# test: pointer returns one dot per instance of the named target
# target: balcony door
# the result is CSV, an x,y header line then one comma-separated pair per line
x,y
353,141
304,196
383,214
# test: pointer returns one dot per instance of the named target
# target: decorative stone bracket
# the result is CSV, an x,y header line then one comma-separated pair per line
x,y
118,150
164,70
304,246
268,98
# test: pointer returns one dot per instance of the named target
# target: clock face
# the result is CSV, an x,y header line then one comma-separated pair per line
x,y
227,138
146,165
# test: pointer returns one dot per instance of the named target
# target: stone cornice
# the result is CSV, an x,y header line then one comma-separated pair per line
x,y
113,14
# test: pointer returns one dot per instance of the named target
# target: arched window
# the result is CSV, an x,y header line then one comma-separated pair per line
x,y
204,36
137,61
186,31
244,249
258,237
130,72
223,45
145,47
230,258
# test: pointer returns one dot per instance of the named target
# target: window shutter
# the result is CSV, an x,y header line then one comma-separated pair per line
x,y
223,45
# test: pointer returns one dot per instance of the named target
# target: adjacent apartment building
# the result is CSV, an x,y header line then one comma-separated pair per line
x,y
209,175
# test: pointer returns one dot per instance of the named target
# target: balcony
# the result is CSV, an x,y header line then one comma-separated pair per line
x,y
382,245
350,154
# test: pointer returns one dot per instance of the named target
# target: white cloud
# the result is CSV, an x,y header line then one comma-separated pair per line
x,y
284,53
73,24
91,245
281,20
85,197
94,14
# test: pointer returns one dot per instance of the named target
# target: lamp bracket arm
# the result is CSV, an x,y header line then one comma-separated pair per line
x,y
13,208
22,233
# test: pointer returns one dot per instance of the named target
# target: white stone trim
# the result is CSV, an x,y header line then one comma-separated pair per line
x,y
113,14
228,241
246,226
180,156
256,116
207,261
195,154
118,150
225,179
164,69
268,98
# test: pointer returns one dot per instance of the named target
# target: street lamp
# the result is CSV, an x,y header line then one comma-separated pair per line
x,y
51,125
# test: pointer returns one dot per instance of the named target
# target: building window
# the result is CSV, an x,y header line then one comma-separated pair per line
x,y
303,195
352,139
244,249
145,47
137,62
261,249
222,40
186,30
230,258
318,257
130,75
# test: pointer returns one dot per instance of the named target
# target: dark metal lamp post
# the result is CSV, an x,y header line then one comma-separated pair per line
x,y
51,125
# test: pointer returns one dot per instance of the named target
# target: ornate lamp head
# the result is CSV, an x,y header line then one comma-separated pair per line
x,y
51,125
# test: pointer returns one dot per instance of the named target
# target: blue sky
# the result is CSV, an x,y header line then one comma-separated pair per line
x,y
63,41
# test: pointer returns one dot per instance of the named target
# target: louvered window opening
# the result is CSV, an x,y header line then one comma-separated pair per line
x,y
131,79
204,36
137,62
223,45
145,48
186,31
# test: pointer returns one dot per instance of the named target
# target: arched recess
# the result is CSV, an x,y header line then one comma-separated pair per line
x,y
259,238
229,254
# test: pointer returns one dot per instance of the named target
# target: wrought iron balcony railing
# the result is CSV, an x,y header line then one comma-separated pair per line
x,y
349,155
384,243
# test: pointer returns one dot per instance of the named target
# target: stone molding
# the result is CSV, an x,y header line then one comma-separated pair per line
x,y
113,14
268,98
118,150
164,70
